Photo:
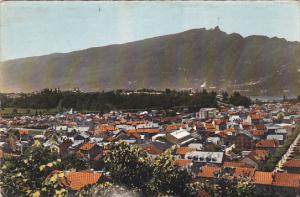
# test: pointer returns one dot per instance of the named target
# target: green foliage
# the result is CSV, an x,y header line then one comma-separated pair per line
x,y
227,185
237,99
26,175
73,160
105,101
275,158
169,179
128,165
131,167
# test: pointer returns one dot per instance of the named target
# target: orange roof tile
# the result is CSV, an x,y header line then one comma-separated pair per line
x,y
294,163
149,131
77,180
263,178
152,150
23,132
183,162
244,172
87,146
209,126
171,127
262,154
257,133
256,116
261,127
183,150
235,164
208,171
104,128
272,143
286,180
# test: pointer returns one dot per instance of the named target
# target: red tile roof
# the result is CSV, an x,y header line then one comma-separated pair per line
x,y
261,127
294,163
149,131
23,132
152,150
236,164
183,150
272,143
87,146
209,126
208,171
244,172
172,127
257,133
256,116
104,128
286,180
77,180
183,162
263,178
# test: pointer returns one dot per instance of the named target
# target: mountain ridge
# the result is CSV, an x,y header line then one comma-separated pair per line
x,y
187,59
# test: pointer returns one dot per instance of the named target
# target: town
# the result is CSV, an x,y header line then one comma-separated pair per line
x,y
260,143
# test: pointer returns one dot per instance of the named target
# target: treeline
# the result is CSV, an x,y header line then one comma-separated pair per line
x,y
104,101
119,99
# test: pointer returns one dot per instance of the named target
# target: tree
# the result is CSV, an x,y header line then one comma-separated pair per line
x,y
237,99
226,185
128,165
26,175
169,179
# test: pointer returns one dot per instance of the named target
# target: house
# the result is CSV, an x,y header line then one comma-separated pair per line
x,y
292,166
155,148
206,113
258,134
208,172
219,124
286,184
201,158
182,151
263,182
277,137
243,172
64,146
254,119
256,158
196,146
75,181
271,145
180,137
82,136
236,165
243,141
90,150
184,164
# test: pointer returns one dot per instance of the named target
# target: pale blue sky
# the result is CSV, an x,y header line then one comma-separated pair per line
x,y
38,28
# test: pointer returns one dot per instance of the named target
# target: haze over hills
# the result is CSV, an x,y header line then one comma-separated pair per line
x,y
255,65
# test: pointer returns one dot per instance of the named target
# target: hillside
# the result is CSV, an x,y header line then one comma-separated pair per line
x,y
257,65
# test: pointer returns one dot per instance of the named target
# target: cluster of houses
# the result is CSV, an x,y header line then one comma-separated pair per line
x,y
235,140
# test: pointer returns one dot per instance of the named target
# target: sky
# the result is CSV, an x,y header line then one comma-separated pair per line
x,y
39,28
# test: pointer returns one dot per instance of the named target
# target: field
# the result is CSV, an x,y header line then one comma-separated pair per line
x,y
9,111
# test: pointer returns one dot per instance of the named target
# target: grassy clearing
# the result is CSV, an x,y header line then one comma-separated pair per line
x,y
10,111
